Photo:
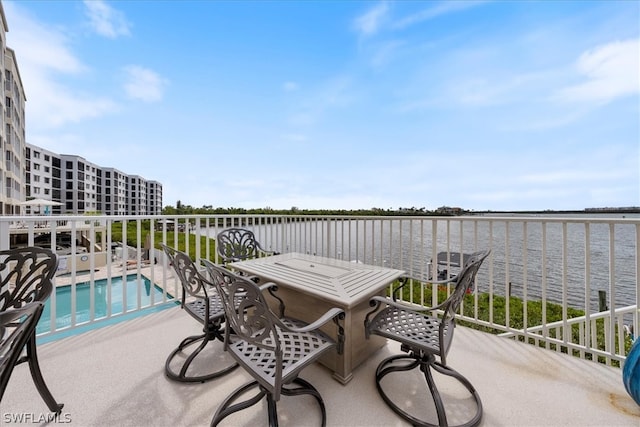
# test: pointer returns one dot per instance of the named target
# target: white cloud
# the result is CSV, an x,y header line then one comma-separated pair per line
x,y
105,20
55,105
39,46
295,137
612,71
334,94
383,53
144,84
369,23
438,9
44,56
290,86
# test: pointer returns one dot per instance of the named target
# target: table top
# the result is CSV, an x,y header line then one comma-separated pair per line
x,y
342,282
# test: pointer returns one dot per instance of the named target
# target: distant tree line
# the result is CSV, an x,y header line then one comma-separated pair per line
x,y
181,209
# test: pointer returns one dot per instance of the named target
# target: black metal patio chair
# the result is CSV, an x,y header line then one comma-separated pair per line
x,y
26,277
16,327
425,334
272,349
239,244
202,302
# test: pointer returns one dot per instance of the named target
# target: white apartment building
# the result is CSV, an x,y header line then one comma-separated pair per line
x,y
115,192
154,198
85,187
12,129
137,201
28,171
14,135
44,177
79,178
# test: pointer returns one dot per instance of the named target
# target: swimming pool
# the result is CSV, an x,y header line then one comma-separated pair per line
x,y
101,301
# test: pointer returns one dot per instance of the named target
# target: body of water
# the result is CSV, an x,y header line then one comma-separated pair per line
x,y
542,257
102,296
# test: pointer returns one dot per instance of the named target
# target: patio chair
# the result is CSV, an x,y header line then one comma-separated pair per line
x,y
239,244
16,327
25,277
272,349
424,334
202,302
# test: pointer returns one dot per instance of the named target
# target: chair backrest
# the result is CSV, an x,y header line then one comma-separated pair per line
x,y
237,244
16,327
248,316
26,275
193,283
464,282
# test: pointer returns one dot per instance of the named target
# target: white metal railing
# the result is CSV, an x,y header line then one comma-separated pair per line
x,y
580,334
550,280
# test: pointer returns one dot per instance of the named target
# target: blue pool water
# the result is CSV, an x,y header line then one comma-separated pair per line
x,y
83,295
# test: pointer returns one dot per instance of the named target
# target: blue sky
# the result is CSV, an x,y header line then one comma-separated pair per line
x,y
343,104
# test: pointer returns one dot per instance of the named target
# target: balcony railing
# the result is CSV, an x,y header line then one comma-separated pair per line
x,y
569,284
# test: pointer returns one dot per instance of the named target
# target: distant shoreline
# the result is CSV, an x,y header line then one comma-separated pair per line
x,y
634,210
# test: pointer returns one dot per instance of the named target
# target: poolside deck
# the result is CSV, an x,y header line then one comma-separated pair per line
x,y
114,376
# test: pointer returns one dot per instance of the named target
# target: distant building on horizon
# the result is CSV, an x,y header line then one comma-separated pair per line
x,y
448,210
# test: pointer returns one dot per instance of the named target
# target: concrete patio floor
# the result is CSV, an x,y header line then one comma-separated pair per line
x,y
114,376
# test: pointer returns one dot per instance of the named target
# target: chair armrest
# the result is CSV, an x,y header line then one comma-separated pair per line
x,y
265,252
272,288
405,279
331,314
9,318
335,314
377,300
268,285
441,282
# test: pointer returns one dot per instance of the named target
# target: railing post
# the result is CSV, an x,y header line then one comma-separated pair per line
x,y
602,300
5,238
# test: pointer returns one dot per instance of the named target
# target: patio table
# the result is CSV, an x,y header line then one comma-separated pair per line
x,y
309,285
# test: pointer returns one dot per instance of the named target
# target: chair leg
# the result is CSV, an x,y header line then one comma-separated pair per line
x,y
403,362
36,374
228,407
307,388
446,370
182,376
435,394
272,410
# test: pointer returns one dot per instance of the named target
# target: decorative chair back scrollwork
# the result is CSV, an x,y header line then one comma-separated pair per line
x,y
424,333
25,277
239,244
272,349
202,302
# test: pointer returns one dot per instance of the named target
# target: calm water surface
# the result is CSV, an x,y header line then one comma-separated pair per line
x,y
527,257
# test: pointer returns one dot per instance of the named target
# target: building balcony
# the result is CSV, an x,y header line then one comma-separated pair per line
x,y
562,370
